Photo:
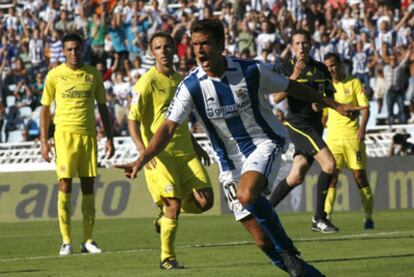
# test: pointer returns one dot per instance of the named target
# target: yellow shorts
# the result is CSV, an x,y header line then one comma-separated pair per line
x,y
176,177
348,151
75,155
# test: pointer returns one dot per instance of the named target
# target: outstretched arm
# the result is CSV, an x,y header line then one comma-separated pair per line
x,y
158,143
308,94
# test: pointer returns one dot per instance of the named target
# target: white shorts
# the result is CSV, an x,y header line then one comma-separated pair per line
x,y
266,159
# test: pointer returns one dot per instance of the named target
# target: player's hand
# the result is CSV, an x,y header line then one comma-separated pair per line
x,y
316,107
202,155
349,110
361,134
109,149
151,164
45,150
297,69
131,169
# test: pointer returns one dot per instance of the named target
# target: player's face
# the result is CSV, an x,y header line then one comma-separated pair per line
x,y
208,51
300,46
333,67
163,51
73,52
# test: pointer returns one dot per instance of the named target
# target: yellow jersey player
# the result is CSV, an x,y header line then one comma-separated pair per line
x,y
345,137
74,88
175,178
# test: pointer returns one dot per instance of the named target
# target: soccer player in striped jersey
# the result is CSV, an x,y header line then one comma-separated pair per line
x,y
227,95
176,178
345,137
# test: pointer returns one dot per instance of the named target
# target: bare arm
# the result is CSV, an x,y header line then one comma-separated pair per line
x,y
135,134
308,94
363,124
279,96
157,144
109,145
44,132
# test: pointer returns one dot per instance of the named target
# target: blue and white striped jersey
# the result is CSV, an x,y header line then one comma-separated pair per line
x,y
233,109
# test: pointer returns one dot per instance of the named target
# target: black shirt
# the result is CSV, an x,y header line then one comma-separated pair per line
x,y
315,75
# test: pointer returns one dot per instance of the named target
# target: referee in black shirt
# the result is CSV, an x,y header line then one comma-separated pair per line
x,y
304,125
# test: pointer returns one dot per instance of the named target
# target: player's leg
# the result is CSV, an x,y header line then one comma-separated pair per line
x,y
169,226
165,190
88,245
87,168
64,214
337,149
356,159
367,198
331,195
263,242
295,177
196,184
66,169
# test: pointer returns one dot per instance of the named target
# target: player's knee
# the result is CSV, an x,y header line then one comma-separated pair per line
x,y
295,179
244,197
172,207
329,166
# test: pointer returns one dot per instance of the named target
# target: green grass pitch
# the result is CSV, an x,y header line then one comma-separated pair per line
x,y
212,246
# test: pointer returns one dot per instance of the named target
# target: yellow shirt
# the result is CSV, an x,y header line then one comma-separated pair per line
x,y
74,93
151,97
348,91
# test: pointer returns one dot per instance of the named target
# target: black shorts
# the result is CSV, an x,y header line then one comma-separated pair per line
x,y
308,141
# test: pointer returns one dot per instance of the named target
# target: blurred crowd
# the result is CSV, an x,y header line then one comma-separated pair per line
x,y
374,39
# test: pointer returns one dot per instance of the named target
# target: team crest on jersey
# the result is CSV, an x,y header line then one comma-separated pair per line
x,y
168,188
241,92
88,78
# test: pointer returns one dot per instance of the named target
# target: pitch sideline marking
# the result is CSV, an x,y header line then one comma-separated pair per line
x,y
224,244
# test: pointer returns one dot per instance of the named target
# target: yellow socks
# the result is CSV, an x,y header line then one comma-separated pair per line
x,y
367,199
168,230
64,214
330,201
88,212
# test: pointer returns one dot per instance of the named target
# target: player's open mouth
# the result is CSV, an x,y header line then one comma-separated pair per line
x,y
203,61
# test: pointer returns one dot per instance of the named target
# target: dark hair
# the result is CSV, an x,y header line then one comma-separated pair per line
x,y
301,32
161,35
211,27
72,37
331,55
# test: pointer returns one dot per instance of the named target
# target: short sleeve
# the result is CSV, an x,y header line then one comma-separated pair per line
x,y
139,100
271,81
361,98
48,95
181,105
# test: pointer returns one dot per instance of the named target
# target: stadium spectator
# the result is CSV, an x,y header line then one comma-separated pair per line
x,y
246,165
395,79
400,145
304,125
175,178
410,89
345,137
74,87
380,88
